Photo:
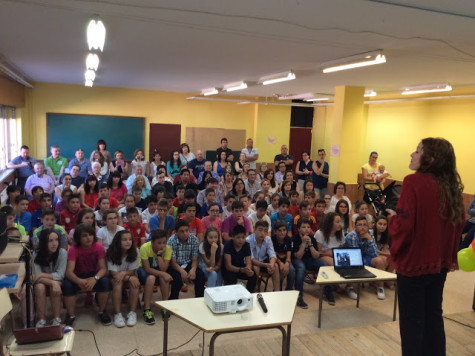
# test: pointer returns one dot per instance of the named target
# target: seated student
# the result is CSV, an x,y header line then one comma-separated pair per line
x,y
329,236
89,192
236,218
104,191
106,234
210,198
184,260
305,213
45,204
190,197
86,270
195,225
185,180
294,208
212,217
103,204
23,217
362,210
306,257
320,210
67,184
263,256
257,196
283,250
122,262
85,216
228,203
61,205
311,197
163,220
159,192
118,190
48,220
10,213
265,189
155,258
48,273
161,181
76,179
237,259
35,203
246,202
180,196
362,238
211,255
152,205
129,203
172,209
139,202
135,227
13,191
259,214
210,183
282,214
68,217
274,204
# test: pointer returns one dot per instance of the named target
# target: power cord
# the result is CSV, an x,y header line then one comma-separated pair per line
x,y
94,336
458,322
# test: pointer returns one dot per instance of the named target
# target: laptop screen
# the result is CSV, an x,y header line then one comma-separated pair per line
x,y
347,257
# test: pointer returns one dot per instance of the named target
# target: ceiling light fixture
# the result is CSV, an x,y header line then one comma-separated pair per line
x,y
357,61
235,86
92,61
96,35
209,91
317,99
277,78
88,83
425,88
369,93
90,75
303,96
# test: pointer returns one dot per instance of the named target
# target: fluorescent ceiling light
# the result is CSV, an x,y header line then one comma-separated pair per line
x,y
209,91
369,93
303,96
92,61
425,88
96,35
235,86
363,60
317,99
277,78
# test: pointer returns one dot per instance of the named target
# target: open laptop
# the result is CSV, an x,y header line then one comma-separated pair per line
x,y
348,263
34,335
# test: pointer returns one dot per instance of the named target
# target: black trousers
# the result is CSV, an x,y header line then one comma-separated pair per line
x,y
232,277
420,314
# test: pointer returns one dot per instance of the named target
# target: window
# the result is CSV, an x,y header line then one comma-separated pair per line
x,y
10,135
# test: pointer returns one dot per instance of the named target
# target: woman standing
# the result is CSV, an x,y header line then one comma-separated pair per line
x,y
101,147
425,234
304,169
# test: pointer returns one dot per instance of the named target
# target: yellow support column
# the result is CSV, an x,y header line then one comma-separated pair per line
x,y
348,134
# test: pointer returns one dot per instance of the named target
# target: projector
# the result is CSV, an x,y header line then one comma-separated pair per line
x,y
228,299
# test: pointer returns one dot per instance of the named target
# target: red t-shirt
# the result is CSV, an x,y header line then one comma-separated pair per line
x,y
90,198
87,261
119,193
114,204
177,203
196,226
68,219
313,224
33,206
137,231
294,210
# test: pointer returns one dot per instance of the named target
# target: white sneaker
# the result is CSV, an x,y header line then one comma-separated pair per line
x,y
119,320
131,318
351,293
56,321
381,294
41,323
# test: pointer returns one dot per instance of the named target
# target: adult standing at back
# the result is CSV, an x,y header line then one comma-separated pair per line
x,y
55,164
101,147
284,157
224,148
24,166
369,169
304,169
425,234
252,155
83,163
321,171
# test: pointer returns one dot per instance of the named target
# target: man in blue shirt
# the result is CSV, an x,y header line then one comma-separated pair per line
x,y
24,166
197,165
83,163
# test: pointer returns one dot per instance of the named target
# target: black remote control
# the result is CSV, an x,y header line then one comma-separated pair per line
x,y
261,302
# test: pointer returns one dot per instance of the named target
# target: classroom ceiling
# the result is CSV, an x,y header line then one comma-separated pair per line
x,y
190,45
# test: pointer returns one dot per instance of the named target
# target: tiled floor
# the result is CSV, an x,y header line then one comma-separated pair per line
x,y
458,298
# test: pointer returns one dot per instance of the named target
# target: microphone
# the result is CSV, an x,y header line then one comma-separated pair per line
x,y
261,302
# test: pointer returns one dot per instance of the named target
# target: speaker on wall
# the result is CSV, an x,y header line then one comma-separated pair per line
x,y
301,116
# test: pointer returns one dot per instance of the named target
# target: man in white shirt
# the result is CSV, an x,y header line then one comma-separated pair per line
x,y
251,153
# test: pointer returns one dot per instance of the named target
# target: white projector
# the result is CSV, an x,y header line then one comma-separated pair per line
x,y
228,299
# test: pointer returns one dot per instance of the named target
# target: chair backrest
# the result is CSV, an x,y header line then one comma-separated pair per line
x,y
5,303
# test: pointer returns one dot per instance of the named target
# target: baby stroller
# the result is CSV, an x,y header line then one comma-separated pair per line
x,y
380,199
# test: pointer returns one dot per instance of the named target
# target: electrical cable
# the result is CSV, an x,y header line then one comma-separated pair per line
x,y
94,336
459,322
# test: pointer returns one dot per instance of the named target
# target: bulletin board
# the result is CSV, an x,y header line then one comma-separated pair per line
x,y
73,131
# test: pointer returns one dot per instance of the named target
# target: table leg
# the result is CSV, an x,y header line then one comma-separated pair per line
x,y
320,302
358,285
165,332
287,351
395,301
211,343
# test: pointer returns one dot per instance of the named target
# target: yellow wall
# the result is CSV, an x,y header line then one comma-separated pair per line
x,y
155,106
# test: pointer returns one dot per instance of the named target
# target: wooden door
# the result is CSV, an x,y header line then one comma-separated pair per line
x,y
300,140
165,138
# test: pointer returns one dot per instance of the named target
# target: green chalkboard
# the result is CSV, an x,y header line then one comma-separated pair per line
x,y
71,131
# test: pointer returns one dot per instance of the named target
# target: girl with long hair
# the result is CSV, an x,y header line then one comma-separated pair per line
x,y
211,254
381,235
343,209
117,187
329,236
239,188
89,192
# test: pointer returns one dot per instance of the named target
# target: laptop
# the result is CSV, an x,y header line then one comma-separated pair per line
x,y
34,335
348,263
